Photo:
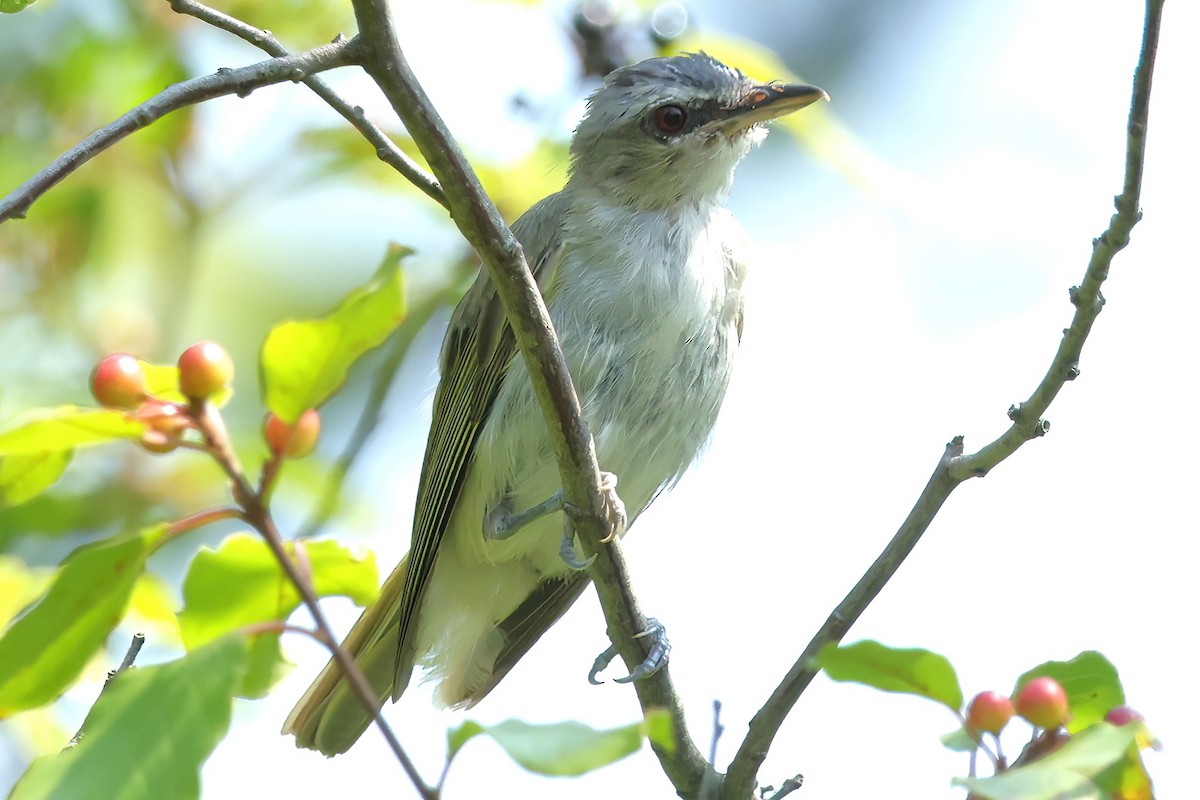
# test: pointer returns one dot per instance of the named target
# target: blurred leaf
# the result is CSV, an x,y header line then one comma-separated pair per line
x,y
1092,686
457,737
19,585
13,6
959,740
152,605
303,363
44,651
890,669
562,748
149,733
1128,779
24,477
68,427
240,583
1074,770
62,512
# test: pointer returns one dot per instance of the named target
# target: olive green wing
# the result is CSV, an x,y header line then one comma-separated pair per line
x,y
476,353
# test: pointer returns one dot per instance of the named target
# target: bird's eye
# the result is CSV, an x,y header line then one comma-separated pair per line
x,y
670,119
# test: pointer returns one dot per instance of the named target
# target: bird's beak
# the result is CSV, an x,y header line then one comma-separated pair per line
x,y
766,102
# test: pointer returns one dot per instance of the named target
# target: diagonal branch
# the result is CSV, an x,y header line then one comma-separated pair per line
x,y
241,81
954,467
385,148
482,226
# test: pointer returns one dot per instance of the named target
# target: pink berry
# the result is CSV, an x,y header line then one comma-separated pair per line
x,y
989,711
296,440
118,381
1123,715
204,369
1043,702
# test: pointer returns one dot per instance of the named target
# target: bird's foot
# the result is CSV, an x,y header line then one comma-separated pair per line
x,y
615,517
656,658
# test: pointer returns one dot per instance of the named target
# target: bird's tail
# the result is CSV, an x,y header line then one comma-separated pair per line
x,y
330,717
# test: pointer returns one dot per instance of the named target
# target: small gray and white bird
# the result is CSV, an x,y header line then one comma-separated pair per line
x,y
639,263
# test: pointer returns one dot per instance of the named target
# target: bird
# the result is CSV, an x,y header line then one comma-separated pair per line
x,y
642,268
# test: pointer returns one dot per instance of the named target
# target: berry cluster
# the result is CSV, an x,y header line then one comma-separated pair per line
x,y
205,370
1043,703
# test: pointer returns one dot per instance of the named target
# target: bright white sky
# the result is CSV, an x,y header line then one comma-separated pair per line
x,y
879,327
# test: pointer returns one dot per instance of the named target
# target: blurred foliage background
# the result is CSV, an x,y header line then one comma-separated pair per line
x,y
220,220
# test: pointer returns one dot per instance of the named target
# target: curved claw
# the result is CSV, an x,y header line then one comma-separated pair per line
x,y
657,656
614,508
655,659
566,550
601,663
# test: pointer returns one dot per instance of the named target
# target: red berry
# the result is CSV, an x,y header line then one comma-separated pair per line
x,y
989,711
1123,715
292,441
118,381
204,370
1043,702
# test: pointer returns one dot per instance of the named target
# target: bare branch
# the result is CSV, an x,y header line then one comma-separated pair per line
x,y
241,81
954,467
385,148
481,224
131,654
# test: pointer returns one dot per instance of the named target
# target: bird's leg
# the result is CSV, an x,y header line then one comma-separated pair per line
x,y
656,656
502,523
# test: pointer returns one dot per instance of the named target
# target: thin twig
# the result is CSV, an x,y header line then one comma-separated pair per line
x,y
259,517
710,787
385,148
481,224
241,81
131,654
200,519
954,467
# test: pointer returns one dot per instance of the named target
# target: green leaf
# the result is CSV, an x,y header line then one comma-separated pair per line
x,y
457,737
1092,686
23,478
1076,770
148,733
563,748
303,363
44,651
890,669
959,740
68,427
13,6
240,583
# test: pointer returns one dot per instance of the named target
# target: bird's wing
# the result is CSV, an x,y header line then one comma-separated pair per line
x,y
476,353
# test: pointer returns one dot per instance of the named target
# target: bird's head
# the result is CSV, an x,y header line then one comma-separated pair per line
x,y
669,131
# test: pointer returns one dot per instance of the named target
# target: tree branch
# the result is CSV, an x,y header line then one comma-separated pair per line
x,y
257,515
385,148
954,467
241,81
482,226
